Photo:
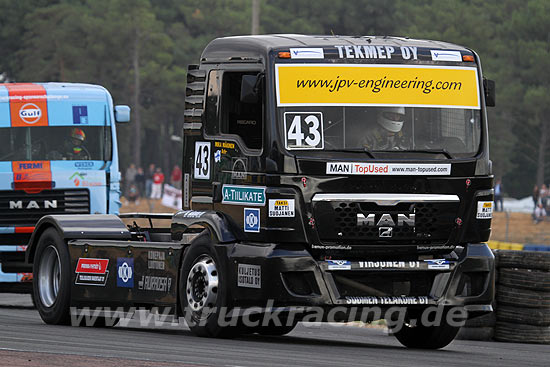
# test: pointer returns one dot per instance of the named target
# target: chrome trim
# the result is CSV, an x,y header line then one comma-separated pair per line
x,y
485,192
388,199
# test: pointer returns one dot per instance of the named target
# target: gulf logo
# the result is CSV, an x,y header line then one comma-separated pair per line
x,y
30,113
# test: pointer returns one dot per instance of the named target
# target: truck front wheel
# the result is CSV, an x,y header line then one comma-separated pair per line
x,y
203,290
52,278
426,337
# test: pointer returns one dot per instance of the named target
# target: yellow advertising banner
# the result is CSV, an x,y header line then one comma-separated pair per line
x,y
377,85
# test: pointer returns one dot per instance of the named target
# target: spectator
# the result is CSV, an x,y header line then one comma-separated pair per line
x,y
498,195
543,194
175,177
158,180
140,182
130,178
536,197
539,214
133,194
149,180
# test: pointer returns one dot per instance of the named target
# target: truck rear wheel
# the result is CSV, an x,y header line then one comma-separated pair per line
x,y
427,337
52,288
203,290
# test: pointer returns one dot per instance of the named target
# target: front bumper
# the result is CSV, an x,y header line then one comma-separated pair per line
x,y
290,276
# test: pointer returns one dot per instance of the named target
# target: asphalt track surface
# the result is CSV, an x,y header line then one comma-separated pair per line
x,y
26,341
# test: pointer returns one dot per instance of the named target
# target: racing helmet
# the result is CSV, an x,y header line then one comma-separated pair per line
x,y
78,134
391,118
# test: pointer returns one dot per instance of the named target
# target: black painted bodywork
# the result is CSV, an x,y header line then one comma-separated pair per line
x,y
293,253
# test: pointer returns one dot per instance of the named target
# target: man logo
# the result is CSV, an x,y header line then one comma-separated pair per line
x,y
48,204
30,113
385,220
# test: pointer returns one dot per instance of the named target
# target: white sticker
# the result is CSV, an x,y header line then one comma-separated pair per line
x,y
249,276
307,53
444,55
438,264
339,265
281,208
387,169
484,210
304,130
202,160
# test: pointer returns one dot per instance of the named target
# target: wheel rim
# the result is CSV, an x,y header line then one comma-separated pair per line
x,y
202,284
49,276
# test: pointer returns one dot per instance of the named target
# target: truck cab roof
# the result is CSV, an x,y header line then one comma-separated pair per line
x,y
241,48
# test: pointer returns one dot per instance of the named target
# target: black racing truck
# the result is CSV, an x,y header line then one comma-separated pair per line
x,y
321,173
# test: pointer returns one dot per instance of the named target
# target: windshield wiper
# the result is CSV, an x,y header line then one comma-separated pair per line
x,y
433,151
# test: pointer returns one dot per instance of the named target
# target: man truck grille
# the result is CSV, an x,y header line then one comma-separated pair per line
x,y
18,208
376,223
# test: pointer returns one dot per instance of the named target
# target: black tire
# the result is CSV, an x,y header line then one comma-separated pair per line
x,y
520,333
521,315
51,282
485,333
201,255
522,297
525,279
487,320
427,337
539,260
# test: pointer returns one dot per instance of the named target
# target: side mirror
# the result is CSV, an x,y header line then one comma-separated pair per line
x,y
249,88
490,93
122,113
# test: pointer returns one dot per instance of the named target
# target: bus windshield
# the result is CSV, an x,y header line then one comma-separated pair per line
x,y
55,143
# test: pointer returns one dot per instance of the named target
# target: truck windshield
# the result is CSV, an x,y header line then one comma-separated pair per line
x,y
450,130
377,107
55,143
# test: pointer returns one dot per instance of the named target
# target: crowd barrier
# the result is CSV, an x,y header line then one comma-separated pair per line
x,y
501,245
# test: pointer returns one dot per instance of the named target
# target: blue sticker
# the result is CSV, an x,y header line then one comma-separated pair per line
x,y
125,272
251,220
80,115
339,265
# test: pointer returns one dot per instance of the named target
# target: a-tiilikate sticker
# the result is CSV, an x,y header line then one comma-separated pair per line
x,y
243,195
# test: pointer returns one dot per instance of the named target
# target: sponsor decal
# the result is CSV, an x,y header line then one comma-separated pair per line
x,y
90,271
445,55
154,283
373,300
249,276
281,208
80,115
171,197
377,85
202,161
484,210
217,156
223,145
438,264
389,264
238,171
78,179
388,169
330,247
156,260
376,52
339,265
251,220
125,272
28,104
307,53
240,195
84,165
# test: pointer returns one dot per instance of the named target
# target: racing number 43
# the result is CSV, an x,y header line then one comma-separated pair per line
x,y
202,160
296,123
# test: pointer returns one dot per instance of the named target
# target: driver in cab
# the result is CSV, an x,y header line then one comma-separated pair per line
x,y
387,133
